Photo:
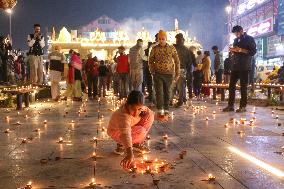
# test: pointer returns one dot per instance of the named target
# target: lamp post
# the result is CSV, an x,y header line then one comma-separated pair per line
x,y
9,11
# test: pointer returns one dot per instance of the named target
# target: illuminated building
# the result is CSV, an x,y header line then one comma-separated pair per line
x,y
103,36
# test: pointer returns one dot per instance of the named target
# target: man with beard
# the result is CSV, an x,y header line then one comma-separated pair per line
x,y
187,59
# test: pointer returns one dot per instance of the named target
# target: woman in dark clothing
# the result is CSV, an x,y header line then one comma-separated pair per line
x,y
197,80
103,73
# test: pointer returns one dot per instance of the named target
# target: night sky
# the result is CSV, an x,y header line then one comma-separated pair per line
x,y
205,19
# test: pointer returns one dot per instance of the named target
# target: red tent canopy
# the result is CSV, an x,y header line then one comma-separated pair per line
x,y
7,4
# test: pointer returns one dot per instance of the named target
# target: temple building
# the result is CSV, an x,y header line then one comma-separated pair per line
x,y
103,36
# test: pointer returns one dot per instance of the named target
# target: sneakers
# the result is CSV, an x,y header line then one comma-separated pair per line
x,y
140,148
228,109
241,110
119,150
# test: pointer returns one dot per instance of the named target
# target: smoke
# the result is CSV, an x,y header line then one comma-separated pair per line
x,y
151,23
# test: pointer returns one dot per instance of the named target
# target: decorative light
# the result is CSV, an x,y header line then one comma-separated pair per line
x,y
258,162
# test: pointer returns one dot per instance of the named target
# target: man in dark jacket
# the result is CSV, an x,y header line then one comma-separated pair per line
x,y
244,48
186,58
218,65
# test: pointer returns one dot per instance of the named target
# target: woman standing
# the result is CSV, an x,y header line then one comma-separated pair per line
x,y
206,69
74,77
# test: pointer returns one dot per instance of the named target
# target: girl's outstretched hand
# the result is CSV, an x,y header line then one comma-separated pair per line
x,y
127,162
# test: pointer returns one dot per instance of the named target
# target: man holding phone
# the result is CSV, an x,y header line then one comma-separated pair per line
x,y
244,48
36,44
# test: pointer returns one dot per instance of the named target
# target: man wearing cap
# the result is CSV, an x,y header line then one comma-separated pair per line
x,y
244,48
56,67
187,59
122,69
136,56
164,65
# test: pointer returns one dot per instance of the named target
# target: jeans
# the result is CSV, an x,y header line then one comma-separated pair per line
x,y
219,75
219,78
163,89
149,82
123,84
243,77
189,83
181,87
197,82
102,85
92,86
136,79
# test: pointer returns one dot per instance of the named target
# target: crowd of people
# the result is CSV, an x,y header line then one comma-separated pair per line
x,y
161,72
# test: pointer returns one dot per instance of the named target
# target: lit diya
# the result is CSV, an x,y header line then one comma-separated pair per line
x,y
150,166
93,183
29,185
60,141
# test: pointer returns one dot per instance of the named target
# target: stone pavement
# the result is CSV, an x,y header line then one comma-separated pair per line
x,y
49,164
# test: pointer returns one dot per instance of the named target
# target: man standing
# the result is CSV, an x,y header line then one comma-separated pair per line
x,y
92,71
165,67
56,68
186,61
218,65
36,44
136,56
244,48
122,69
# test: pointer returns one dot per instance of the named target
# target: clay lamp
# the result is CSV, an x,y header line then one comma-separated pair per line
x,y
7,118
93,183
45,122
211,177
165,137
134,169
276,117
60,141
214,112
103,129
148,137
7,131
207,118
148,170
226,125
29,185
37,130
94,156
24,141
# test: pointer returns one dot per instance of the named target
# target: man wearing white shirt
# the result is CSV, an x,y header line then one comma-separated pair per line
x,y
36,44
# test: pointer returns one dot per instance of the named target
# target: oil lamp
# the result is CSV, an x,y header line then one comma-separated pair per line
x,y
24,141
45,121
148,137
7,131
211,177
93,183
29,185
165,137
60,140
